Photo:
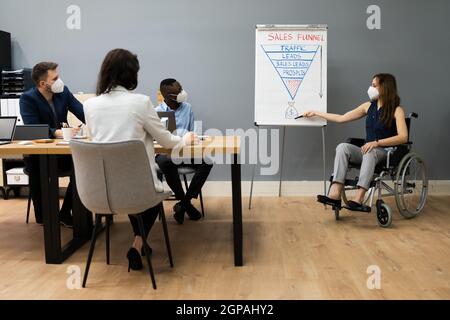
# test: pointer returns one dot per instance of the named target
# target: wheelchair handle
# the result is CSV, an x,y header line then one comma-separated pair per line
x,y
413,115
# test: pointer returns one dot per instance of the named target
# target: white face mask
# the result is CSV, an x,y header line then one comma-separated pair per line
x,y
373,93
57,86
182,96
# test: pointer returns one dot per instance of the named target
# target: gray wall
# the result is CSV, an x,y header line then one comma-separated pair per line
x,y
209,46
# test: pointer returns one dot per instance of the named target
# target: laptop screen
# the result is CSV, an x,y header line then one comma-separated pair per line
x,y
7,127
168,119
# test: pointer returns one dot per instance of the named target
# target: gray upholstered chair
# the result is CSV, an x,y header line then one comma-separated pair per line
x,y
116,178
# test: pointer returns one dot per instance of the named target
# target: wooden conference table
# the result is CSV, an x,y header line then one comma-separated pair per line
x,y
55,253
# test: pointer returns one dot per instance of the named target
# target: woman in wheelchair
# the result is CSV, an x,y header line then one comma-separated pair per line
x,y
385,127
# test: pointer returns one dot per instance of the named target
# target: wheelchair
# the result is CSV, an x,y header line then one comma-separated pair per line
x,y
408,174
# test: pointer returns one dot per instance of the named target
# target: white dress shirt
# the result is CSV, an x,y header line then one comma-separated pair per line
x,y
123,115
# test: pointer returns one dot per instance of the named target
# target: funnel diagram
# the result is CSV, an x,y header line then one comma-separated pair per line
x,y
292,63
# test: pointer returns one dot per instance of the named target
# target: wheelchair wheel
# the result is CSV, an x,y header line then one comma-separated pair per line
x,y
346,193
384,215
411,186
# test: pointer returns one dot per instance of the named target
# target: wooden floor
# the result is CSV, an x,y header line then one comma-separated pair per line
x,y
293,249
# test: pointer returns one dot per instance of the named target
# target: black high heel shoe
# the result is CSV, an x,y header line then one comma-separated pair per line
x,y
143,251
134,260
329,201
355,206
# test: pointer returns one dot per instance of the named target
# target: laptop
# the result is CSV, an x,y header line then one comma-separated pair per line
x,y
31,132
171,124
7,129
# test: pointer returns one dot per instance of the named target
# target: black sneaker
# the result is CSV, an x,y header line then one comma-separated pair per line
x,y
192,212
179,211
66,220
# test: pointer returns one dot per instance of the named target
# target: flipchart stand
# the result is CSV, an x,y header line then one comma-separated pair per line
x,y
281,165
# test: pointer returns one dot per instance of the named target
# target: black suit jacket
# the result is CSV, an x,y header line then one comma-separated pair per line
x,y
35,109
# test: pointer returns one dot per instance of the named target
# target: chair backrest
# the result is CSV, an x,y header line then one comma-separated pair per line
x,y
408,121
404,149
114,177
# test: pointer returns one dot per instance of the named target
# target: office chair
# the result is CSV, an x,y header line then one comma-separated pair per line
x,y
110,182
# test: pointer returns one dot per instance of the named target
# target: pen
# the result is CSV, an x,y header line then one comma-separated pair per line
x,y
299,117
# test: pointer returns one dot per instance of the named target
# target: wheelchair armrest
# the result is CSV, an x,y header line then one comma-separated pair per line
x,y
396,153
356,141
390,151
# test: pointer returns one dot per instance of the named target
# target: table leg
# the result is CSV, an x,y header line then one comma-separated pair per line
x,y
50,208
55,253
237,210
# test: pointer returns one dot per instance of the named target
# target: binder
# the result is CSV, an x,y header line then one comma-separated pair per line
x,y
3,107
11,108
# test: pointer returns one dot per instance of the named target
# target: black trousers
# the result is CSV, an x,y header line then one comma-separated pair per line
x,y
32,166
148,217
170,171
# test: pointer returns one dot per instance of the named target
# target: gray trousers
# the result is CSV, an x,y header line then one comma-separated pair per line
x,y
346,152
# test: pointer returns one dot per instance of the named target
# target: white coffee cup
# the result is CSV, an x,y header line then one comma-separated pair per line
x,y
67,133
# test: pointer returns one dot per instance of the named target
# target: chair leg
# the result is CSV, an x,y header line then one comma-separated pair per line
x,y
159,215
201,204
108,227
146,250
98,222
185,182
28,206
166,233
160,177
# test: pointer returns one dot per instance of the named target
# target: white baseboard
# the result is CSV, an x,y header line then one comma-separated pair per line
x,y
288,188
439,187
293,188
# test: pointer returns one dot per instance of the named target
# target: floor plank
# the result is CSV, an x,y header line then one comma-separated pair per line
x,y
293,249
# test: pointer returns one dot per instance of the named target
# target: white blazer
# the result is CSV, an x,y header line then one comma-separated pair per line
x,y
123,115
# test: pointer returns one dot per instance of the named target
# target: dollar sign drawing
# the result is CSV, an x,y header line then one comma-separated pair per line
x,y
291,112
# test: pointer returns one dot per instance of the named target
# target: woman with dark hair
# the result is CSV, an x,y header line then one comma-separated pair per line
x,y
119,114
385,127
